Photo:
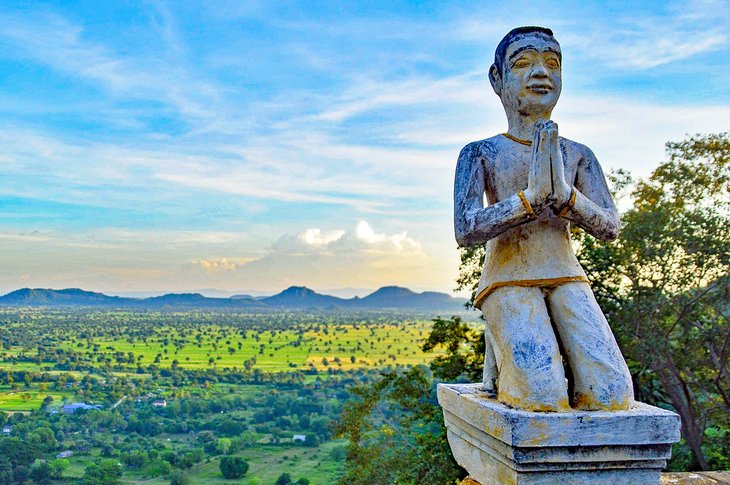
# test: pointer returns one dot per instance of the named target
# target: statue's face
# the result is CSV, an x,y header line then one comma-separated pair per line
x,y
531,77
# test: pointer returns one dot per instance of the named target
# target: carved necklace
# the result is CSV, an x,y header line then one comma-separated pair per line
x,y
518,140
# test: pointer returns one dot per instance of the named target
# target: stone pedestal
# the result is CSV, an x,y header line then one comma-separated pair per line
x,y
500,445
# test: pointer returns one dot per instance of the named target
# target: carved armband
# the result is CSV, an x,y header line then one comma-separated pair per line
x,y
571,202
530,213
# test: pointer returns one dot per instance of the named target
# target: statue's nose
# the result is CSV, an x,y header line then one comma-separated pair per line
x,y
538,70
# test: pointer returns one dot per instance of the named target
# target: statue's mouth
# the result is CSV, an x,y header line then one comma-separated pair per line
x,y
540,88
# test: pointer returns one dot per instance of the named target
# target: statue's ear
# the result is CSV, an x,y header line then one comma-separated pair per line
x,y
496,79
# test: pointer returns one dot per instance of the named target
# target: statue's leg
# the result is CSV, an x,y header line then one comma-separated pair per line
x,y
531,372
490,363
601,377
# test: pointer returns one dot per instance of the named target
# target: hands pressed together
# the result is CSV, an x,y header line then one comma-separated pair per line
x,y
546,184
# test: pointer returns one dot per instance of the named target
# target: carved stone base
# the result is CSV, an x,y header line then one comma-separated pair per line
x,y
500,445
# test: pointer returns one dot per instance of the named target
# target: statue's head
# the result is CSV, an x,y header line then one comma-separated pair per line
x,y
526,73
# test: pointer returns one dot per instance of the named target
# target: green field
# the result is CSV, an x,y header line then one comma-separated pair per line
x,y
268,377
197,345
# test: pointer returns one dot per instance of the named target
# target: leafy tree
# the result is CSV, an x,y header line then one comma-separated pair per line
x,y
58,467
223,445
284,479
233,467
105,472
17,452
43,438
6,471
464,350
41,473
396,432
664,285
21,474
179,477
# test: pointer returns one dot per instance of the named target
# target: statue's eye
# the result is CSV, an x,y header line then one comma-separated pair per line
x,y
552,63
520,63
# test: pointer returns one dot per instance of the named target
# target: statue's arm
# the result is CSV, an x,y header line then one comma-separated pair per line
x,y
594,210
473,223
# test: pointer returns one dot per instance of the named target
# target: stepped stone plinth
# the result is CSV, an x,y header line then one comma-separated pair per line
x,y
497,444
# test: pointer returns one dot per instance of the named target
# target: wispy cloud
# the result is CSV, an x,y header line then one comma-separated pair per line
x,y
182,134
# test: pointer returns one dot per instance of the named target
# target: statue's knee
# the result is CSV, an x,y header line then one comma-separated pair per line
x,y
611,390
533,380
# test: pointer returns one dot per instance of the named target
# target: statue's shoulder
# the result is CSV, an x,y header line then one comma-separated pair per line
x,y
579,149
481,149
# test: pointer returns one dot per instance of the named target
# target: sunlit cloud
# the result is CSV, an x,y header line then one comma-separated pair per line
x,y
221,264
317,237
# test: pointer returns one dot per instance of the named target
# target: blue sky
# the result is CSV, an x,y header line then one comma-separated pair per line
x,y
248,146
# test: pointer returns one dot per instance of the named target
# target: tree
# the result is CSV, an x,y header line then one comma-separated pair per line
x,y
58,467
105,472
284,479
41,473
664,285
179,477
223,445
396,432
233,467
464,350
43,438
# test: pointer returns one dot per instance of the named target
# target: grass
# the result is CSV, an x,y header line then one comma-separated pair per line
x,y
27,399
343,346
266,464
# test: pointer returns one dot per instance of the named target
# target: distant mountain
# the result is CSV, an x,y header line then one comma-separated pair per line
x,y
293,298
196,300
69,296
398,297
300,297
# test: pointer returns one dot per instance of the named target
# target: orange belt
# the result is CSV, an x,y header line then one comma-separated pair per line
x,y
540,282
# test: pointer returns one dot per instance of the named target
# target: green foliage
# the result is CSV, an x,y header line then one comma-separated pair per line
x,y
665,288
58,467
284,479
233,467
43,438
17,452
41,473
104,472
179,477
396,432
470,270
464,350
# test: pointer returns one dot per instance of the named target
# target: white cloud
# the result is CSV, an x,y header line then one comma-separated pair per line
x,y
221,264
316,237
397,242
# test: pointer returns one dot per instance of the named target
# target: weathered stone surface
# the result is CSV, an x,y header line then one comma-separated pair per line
x,y
538,306
501,445
684,478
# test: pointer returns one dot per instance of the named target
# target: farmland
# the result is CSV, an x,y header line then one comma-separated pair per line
x,y
177,391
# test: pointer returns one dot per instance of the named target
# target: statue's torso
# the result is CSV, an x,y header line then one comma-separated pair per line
x,y
538,252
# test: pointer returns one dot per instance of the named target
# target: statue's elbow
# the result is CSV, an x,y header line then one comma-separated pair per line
x,y
612,234
613,229
461,240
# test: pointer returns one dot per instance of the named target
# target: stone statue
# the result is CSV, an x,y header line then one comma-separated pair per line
x,y
519,193
535,297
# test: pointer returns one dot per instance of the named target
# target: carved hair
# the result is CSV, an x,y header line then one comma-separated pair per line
x,y
512,36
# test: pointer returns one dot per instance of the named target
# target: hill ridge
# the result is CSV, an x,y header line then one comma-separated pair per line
x,y
294,297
